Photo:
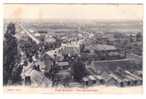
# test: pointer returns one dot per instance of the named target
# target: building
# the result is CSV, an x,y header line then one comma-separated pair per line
x,y
102,52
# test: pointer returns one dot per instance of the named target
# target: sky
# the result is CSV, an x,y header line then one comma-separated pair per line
x,y
58,11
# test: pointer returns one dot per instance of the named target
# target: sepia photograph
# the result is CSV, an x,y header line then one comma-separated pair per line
x,y
73,48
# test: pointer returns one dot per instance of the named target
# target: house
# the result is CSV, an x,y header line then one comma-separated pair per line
x,y
62,65
137,80
118,80
88,80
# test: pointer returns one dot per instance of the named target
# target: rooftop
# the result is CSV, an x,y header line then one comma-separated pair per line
x,y
62,63
101,47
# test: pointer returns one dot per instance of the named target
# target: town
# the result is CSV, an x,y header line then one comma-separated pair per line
x,y
73,54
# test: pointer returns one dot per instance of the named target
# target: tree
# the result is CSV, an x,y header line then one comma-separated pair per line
x,y
10,52
139,36
78,69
